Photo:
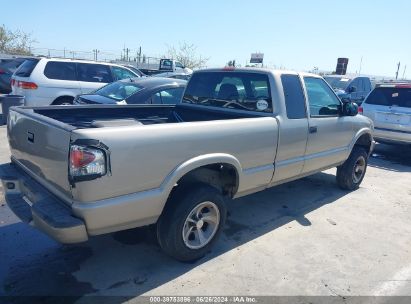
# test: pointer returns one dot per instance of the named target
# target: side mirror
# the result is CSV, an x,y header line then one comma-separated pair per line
x,y
350,109
352,89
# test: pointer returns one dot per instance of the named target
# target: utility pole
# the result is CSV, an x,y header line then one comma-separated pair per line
x,y
398,68
403,74
95,52
360,66
64,53
139,54
126,51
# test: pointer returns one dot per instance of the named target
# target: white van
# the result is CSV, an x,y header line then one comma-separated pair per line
x,y
45,81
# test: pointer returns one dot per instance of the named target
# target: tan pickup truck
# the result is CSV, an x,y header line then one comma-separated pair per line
x,y
79,171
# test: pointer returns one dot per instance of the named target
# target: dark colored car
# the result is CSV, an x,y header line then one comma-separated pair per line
x,y
146,90
7,68
348,88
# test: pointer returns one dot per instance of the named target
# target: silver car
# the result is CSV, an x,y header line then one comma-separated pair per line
x,y
389,107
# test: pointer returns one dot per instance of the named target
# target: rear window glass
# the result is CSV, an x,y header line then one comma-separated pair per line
x,y
234,90
118,90
94,73
60,70
26,68
12,65
294,96
390,97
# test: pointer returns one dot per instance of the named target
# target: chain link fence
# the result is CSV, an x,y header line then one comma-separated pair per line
x,y
139,60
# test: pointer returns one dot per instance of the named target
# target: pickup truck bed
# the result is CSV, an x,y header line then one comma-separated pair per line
x,y
146,114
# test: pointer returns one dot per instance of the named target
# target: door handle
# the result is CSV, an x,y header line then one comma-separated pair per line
x,y
30,136
313,129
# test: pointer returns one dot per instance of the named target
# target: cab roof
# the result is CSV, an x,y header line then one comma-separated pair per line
x,y
257,70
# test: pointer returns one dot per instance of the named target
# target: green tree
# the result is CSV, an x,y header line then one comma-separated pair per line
x,y
15,42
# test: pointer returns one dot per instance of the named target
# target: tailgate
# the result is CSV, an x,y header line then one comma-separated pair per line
x,y
396,118
40,145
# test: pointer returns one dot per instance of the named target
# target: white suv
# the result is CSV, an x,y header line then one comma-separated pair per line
x,y
389,107
45,81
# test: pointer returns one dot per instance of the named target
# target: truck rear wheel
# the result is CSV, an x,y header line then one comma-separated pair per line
x,y
191,222
351,173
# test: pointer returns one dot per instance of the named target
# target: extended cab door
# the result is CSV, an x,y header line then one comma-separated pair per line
x,y
330,134
293,130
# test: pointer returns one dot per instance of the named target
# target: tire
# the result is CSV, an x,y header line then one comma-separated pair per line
x,y
174,223
351,173
65,101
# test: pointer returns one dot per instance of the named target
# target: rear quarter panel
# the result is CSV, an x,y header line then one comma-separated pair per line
x,y
147,157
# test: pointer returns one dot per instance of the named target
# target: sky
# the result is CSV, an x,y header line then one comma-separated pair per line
x,y
292,34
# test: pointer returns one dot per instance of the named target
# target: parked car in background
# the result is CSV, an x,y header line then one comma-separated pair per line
x,y
7,68
45,81
389,107
168,65
175,75
353,89
147,90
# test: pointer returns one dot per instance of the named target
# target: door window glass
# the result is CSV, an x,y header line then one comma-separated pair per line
x,y
322,100
294,96
94,73
356,84
60,70
361,85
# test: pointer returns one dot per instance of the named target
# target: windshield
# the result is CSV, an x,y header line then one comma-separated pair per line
x,y
119,90
338,82
390,97
236,90
135,70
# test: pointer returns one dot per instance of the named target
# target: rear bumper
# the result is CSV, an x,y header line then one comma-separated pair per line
x,y
33,204
392,136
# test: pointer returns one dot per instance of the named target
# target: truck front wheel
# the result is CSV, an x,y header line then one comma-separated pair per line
x,y
351,173
191,222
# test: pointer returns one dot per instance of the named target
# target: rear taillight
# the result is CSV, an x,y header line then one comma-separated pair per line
x,y
86,161
360,110
2,71
26,85
12,82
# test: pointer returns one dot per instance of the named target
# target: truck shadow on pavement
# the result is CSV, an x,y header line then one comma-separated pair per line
x,y
391,157
127,264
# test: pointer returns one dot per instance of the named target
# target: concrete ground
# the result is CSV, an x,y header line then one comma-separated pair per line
x,y
305,238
